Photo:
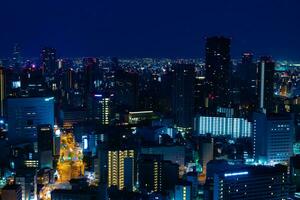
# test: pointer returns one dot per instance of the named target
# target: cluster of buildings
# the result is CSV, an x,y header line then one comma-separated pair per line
x,y
108,128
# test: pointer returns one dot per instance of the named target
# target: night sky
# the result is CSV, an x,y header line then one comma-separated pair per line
x,y
149,28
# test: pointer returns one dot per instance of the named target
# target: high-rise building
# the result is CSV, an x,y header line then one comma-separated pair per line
x,y
48,59
156,174
150,173
126,89
206,153
295,171
273,137
102,108
92,79
16,57
217,63
265,84
251,182
69,79
2,90
121,169
183,191
25,114
223,126
183,87
45,145
247,73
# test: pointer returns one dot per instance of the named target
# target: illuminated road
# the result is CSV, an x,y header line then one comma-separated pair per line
x,y
70,165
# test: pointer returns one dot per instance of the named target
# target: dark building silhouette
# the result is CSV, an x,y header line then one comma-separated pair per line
x,y
247,76
156,174
217,62
92,77
45,145
48,59
183,87
265,84
126,89
16,56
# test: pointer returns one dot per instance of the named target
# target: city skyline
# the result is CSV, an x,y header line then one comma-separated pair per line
x,y
150,29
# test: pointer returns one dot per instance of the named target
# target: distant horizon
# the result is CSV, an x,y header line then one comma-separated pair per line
x,y
150,28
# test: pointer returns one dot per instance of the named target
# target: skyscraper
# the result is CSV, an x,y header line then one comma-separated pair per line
x,y
102,108
121,169
45,145
91,76
25,114
217,63
16,57
247,73
126,89
156,174
251,182
183,87
150,172
265,84
273,137
48,59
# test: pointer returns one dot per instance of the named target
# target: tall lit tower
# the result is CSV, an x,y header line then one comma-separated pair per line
x,y
48,59
217,62
265,84
121,169
16,59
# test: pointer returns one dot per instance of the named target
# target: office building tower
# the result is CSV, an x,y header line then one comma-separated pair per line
x,y
45,145
25,114
101,164
48,60
183,87
295,171
223,126
206,153
156,174
150,173
69,79
199,92
32,80
91,78
16,56
11,192
273,137
121,169
251,182
2,90
265,84
248,75
183,191
217,63
102,108
126,89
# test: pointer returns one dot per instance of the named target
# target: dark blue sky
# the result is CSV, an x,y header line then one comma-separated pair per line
x,y
149,28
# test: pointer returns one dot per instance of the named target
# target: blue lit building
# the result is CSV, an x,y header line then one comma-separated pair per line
x,y
273,137
222,126
25,114
183,191
252,182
